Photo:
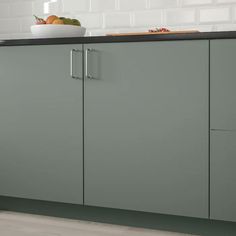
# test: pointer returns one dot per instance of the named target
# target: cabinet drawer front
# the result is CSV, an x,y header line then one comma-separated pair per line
x,y
223,84
146,127
41,123
223,176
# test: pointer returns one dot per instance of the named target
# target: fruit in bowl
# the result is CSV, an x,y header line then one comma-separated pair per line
x,y
56,20
51,19
55,26
40,21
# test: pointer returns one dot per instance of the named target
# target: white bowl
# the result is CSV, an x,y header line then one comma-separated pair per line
x,y
57,31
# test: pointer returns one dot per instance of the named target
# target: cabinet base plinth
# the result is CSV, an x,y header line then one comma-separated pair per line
x,y
120,217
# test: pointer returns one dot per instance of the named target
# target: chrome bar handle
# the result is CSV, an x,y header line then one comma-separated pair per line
x,y
72,63
87,74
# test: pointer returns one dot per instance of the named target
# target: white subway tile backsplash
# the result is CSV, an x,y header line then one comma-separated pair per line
x,y
75,5
21,8
96,32
117,20
196,2
20,35
102,5
52,6
9,26
234,14
4,10
226,1
91,20
220,14
163,3
126,5
201,28
148,18
180,16
4,36
227,27
106,16
26,23
38,7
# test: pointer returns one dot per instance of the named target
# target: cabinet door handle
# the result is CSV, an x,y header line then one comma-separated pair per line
x,y
87,74
72,63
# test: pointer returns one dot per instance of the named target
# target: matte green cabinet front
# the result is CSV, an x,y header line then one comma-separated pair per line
x,y
223,126
223,84
41,123
146,127
223,175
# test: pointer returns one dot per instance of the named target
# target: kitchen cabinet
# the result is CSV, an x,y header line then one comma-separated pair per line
x,y
223,126
223,176
223,83
41,139
146,126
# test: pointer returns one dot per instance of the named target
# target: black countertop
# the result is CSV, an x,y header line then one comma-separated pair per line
x,y
120,39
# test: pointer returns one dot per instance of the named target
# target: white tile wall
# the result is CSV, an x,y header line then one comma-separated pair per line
x,y
4,10
148,18
69,6
180,16
101,5
196,2
220,14
117,20
106,16
129,5
163,3
21,8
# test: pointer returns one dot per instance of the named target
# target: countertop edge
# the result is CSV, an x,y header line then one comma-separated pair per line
x,y
119,39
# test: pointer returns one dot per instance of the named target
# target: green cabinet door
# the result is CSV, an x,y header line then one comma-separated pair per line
x,y
146,127
223,126
41,123
223,176
223,84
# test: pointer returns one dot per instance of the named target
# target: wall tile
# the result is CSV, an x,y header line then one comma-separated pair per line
x,y
75,5
102,5
220,14
4,10
226,1
52,6
163,3
148,18
38,7
91,20
4,36
201,28
180,16
126,5
195,2
226,27
115,20
26,23
9,26
21,9
96,32
21,35
234,13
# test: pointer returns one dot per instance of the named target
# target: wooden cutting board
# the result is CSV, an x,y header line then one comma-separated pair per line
x,y
154,33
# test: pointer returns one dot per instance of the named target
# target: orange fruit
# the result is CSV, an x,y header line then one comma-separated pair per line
x,y
58,22
51,18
